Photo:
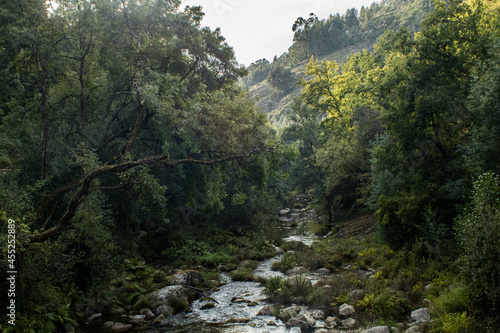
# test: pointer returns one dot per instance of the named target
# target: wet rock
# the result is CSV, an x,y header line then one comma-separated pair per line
x,y
208,306
147,312
422,315
169,294
288,313
187,278
272,323
164,310
252,324
367,273
253,303
327,288
323,271
267,310
331,322
296,271
238,300
159,319
95,317
116,310
284,212
346,310
238,321
349,323
378,329
222,268
303,320
137,319
317,314
119,327
279,251
109,324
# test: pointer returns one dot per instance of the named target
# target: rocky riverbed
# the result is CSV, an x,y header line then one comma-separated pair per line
x,y
241,306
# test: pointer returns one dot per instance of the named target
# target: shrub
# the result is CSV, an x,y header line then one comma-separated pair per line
x,y
478,231
286,262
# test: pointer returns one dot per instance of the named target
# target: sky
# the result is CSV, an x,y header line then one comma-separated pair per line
x,y
258,29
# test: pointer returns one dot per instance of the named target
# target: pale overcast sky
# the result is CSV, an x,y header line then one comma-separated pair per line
x,y
259,29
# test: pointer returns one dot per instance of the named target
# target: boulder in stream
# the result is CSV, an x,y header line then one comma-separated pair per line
x,y
169,295
303,320
267,310
164,310
137,319
288,313
147,313
116,310
317,314
331,322
119,327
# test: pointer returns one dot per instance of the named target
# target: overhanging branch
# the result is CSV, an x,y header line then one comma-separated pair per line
x,y
84,184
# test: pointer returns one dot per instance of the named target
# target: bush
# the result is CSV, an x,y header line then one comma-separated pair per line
x,y
478,231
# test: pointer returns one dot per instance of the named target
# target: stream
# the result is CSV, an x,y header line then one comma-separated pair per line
x,y
249,295
234,306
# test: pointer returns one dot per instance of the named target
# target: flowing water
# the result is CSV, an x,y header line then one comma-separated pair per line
x,y
250,300
234,307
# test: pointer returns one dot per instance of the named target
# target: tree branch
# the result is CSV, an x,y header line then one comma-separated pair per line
x,y
85,184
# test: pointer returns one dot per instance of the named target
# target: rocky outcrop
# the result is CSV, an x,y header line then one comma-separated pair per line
x,y
187,278
346,310
168,295
420,316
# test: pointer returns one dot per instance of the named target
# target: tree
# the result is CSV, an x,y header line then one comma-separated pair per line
x,y
479,234
340,98
282,79
122,116
426,79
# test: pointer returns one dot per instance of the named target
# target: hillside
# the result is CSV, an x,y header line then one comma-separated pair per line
x,y
272,84
277,105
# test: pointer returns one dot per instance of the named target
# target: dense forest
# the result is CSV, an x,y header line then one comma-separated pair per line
x,y
130,146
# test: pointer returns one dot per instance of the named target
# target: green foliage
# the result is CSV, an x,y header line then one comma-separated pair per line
x,y
453,323
479,235
452,310
115,112
286,291
417,165
282,79
287,262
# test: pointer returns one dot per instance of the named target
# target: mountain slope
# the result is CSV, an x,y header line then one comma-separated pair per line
x,y
335,38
